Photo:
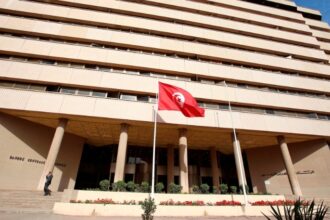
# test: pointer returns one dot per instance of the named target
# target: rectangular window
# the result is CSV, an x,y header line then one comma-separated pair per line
x,y
6,84
104,68
67,90
38,87
211,106
128,97
312,115
224,107
49,62
207,81
77,65
91,66
84,92
143,98
152,99
21,85
99,94
52,88
270,111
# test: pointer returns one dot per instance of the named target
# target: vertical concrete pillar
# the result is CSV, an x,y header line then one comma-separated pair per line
x,y
214,167
170,164
53,151
183,157
239,161
295,187
121,153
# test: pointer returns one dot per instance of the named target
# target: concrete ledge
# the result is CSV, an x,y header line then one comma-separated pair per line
x,y
136,210
84,195
88,209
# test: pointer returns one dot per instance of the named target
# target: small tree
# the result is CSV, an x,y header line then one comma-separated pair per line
x,y
233,189
131,186
159,187
149,208
195,189
104,185
205,188
119,186
174,188
144,187
223,188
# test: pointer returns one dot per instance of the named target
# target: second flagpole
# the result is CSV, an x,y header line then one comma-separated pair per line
x,y
155,110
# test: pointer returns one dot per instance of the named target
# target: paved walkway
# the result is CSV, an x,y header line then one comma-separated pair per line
x,y
37,216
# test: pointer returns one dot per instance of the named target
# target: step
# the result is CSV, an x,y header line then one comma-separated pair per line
x,y
27,201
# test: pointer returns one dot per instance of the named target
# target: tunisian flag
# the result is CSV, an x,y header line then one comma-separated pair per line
x,y
177,99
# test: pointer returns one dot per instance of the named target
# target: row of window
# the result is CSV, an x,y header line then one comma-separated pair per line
x,y
162,75
172,55
201,41
151,99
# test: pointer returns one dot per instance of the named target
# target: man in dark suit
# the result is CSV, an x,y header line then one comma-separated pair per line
x,y
49,178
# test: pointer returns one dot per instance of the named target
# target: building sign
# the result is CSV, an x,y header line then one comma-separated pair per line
x,y
30,160
284,173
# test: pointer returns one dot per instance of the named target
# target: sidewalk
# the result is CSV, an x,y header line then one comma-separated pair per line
x,y
40,216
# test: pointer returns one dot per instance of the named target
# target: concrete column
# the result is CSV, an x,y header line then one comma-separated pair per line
x,y
170,164
295,187
121,153
183,157
239,161
214,167
53,152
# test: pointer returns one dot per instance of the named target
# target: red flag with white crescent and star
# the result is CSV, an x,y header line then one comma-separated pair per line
x,y
177,99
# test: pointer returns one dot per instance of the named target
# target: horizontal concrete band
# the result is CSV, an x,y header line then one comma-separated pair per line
x,y
67,208
260,9
148,85
230,12
169,211
145,61
95,17
83,33
165,12
58,104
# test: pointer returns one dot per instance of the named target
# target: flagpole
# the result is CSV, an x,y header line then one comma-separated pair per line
x,y
239,157
155,108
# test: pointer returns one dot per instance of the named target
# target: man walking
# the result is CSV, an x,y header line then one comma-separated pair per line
x,y
49,178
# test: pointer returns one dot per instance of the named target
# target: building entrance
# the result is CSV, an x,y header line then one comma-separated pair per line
x,y
94,166
98,163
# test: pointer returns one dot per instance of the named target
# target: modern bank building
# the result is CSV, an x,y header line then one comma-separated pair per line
x,y
79,84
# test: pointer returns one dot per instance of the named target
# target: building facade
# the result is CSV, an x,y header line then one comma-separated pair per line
x,y
79,80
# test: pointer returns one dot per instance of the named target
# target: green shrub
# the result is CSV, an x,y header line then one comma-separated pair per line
x,y
104,185
223,188
144,187
174,188
195,189
159,187
119,186
205,189
149,207
131,186
241,189
233,189
300,211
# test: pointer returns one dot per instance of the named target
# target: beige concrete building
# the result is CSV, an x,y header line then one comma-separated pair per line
x,y
78,83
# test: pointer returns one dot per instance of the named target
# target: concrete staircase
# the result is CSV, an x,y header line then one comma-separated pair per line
x,y
24,201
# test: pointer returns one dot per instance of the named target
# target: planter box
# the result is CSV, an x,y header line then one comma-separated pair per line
x,y
80,209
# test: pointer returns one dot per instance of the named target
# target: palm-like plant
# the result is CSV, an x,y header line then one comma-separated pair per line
x,y
300,211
